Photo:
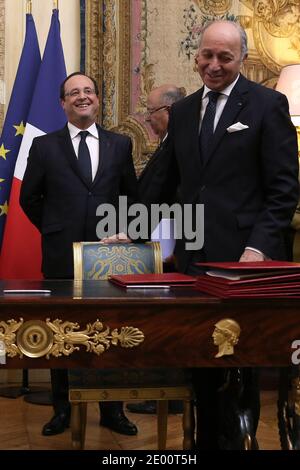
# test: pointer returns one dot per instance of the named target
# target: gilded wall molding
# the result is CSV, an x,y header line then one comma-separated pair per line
x,y
142,147
94,42
110,71
276,31
108,59
124,75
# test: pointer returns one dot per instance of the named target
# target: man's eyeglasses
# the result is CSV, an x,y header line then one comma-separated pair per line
x,y
149,112
76,92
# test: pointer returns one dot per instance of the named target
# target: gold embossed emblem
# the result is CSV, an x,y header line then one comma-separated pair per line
x,y
35,338
226,335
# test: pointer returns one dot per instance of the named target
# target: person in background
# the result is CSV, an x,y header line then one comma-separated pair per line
x,y
69,173
159,102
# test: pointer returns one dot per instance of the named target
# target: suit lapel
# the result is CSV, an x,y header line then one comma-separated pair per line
x,y
69,153
235,103
68,149
152,159
104,151
192,126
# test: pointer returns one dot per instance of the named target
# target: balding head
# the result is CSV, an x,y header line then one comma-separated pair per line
x,y
159,101
221,52
228,27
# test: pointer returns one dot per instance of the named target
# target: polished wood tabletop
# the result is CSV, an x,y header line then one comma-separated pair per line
x,y
141,327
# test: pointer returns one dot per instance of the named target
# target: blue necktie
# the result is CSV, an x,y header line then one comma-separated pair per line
x,y
207,126
84,158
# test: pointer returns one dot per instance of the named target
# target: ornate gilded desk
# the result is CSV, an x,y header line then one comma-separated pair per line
x,y
138,327
93,324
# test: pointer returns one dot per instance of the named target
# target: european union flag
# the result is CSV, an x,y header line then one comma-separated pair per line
x,y
16,116
46,115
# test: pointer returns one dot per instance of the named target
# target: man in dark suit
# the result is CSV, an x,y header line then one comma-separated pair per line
x,y
235,150
69,173
159,102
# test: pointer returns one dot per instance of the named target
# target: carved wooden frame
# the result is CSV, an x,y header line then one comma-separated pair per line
x,y
108,61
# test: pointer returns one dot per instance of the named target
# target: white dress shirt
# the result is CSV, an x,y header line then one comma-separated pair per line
x,y
222,100
92,141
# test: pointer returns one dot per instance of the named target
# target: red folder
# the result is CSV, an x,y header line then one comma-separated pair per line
x,y
253,281
164,280
278,279
251,265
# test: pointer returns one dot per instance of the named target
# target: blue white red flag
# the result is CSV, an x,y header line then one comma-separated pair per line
x,y
21,247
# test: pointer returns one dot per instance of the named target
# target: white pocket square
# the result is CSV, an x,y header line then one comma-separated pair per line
x,y
238,126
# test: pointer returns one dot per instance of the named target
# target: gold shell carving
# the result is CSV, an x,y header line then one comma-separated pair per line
x,y
36,338
128,337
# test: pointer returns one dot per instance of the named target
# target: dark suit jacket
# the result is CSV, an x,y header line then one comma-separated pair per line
x,y
249,185
151,191
61,204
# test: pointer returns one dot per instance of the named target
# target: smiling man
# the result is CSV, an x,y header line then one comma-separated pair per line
x,y
235,149
69,173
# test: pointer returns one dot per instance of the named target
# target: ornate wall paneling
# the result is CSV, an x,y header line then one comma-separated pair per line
x,y
133,46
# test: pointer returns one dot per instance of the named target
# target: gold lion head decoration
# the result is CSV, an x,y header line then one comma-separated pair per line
x,y
226,335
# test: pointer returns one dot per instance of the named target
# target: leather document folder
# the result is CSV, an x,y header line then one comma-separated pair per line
x,y
235,271
276,279
164,280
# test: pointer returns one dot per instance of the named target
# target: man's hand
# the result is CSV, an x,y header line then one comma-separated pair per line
x,y
250,255
117,238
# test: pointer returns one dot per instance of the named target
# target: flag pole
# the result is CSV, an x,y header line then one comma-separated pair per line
x,y
55,4
28,7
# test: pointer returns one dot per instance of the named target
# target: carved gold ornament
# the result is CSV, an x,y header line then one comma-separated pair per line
x,y
9,338
36,338
276,31
226,335
214,7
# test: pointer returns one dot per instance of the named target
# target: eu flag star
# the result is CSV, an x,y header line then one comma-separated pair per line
x,y
3,151
4,209
20,129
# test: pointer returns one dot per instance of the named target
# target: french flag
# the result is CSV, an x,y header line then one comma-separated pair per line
x,y
17,114
21,247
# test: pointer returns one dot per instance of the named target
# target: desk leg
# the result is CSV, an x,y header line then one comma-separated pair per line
x,y
78,425
239,409
188,424
289,408
162,423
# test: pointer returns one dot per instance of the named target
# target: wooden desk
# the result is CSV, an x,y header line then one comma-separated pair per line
x,y
177,325
172,328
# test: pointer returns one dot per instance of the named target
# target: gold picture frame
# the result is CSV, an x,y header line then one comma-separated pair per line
x,y
108,61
